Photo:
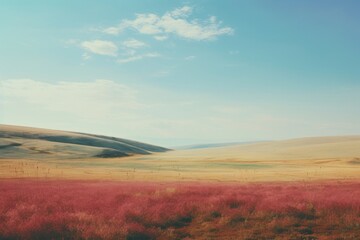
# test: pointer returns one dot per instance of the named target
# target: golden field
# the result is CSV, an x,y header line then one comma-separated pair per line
x,y
306,159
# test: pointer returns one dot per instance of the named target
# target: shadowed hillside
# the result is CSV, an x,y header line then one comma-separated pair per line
x,y
34,143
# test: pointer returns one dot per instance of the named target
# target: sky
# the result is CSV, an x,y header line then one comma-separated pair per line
x,y
177,73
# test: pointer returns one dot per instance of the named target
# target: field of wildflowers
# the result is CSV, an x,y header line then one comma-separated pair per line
x,y
68,209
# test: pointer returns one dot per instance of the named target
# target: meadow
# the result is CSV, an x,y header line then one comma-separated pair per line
x,y
40,153
77,209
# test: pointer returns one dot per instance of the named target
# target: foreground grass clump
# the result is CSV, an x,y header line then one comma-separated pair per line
x,y
123,210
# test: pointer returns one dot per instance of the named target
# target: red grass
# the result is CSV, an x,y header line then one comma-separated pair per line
x,y
119,210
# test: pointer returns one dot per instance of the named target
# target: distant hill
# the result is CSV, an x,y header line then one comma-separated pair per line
x,y
213,145
36,143
331,147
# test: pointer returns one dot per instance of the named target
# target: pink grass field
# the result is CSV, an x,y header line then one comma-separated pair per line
x,y
67,209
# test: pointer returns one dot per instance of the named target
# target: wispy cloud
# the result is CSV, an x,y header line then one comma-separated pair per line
x,y
133,43
72,98
174,22
161,38
138,57
86,56
100,47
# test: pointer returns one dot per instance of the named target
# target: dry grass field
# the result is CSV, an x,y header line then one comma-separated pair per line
x,y
32,153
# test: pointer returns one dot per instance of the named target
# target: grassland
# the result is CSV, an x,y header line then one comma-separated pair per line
x,y
273,161
293,189
39,153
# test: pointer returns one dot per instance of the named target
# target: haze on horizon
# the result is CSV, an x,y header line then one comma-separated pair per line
x,y
179,72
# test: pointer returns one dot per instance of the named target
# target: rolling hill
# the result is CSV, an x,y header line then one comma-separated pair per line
x,y
331,147
34,143
213,145
31,152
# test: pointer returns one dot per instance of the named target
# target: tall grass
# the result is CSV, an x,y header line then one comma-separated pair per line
x,y
131,210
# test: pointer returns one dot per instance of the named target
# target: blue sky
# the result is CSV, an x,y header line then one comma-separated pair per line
x,y
182,72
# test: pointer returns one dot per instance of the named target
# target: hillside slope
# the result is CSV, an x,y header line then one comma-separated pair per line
x,y
34,143
293,149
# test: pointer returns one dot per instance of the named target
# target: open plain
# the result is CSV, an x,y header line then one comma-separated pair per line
x,y
305,159
63,185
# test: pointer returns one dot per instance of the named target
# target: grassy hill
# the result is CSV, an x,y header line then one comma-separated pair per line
x,y
333,147
31,152
34,143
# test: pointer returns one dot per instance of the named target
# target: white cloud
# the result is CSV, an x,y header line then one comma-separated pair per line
x,y
133,43
138,57
100,47
160,38
130,59
184,11
111,30
72,97
174,22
